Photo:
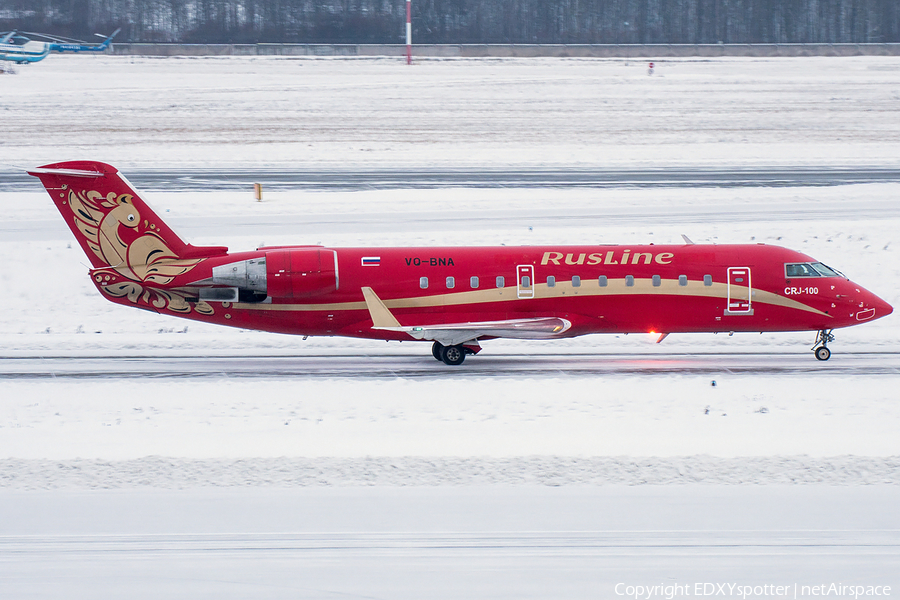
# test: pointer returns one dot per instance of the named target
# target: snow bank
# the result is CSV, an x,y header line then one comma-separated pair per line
x,y
179,473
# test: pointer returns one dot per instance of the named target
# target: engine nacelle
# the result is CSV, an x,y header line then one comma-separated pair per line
x,y
301,272
282,273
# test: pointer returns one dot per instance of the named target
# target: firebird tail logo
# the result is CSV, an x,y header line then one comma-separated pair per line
x,y
134,254
116,228
120,239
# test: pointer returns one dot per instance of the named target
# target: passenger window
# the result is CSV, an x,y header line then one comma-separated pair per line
x,y
423,282
451,283
576,281
551,281
707,280
501,281
473,282
602,281
526,281
682,280
629,280
657,281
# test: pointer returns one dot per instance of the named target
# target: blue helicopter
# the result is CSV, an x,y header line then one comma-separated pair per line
x,y
20,49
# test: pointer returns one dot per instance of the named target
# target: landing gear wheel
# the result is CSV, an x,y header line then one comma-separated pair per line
x,y
823,337
453,355
436,349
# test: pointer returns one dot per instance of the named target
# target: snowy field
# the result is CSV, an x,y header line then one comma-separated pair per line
x,y
68,436
280,112
476,541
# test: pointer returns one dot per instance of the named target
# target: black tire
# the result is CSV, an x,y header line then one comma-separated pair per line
x,y
823,353
436,350
453,355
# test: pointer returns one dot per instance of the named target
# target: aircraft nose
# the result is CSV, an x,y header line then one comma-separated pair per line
x,y
872,307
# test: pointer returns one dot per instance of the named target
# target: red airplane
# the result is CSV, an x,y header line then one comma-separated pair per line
x,y
454,297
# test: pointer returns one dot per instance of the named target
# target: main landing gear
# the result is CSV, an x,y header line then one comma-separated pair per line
x,y
820,348
450,355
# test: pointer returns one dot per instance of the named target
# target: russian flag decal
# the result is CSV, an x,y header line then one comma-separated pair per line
x,y
371,261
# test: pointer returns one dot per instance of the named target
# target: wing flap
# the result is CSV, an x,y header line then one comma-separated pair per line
x,y
451,334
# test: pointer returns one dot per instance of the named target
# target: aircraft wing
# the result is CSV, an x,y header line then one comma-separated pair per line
x,y
451,334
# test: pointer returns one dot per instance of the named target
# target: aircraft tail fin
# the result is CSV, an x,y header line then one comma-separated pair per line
x,y
114,225
105,43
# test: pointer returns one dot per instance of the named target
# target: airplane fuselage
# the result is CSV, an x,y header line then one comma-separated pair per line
x,y
453,296
598,289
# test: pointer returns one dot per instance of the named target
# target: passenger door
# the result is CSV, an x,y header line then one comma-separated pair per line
x,y
740,291
525,281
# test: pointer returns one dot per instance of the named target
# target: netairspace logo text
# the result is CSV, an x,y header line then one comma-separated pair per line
x,y
736,590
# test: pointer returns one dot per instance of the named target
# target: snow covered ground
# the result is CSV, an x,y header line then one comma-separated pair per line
x,y
271,111
478,541
828,426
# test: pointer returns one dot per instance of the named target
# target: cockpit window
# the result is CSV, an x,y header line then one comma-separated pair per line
x,y
809,270
825,270
800,270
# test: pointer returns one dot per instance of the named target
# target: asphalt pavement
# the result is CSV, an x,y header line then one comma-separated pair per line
x,y
201,179
486,364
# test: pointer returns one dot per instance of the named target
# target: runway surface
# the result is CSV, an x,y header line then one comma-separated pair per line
x,y
447,542
200,179
486,364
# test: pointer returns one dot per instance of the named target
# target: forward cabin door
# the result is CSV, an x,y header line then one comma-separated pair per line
x,y
525,281
740,291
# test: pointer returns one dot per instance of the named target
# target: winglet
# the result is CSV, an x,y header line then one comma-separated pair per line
x,y
381,316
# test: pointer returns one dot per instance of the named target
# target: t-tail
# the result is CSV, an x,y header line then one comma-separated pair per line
x,y
105,44
117,230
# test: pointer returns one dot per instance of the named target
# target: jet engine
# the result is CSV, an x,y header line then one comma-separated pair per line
x,y
280,273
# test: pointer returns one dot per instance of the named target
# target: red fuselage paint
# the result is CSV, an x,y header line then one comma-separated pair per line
x,y
328,301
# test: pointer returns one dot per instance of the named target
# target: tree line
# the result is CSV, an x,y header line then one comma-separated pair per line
x,y
464,21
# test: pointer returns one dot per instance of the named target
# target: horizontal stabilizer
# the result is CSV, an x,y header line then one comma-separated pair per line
x,y
69,172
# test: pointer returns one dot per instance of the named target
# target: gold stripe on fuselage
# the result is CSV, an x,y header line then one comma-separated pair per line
x,y
563,289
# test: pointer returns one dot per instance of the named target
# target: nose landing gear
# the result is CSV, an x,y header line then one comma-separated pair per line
x,y
820,348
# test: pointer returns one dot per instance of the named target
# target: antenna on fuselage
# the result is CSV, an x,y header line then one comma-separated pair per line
x,y
687,240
